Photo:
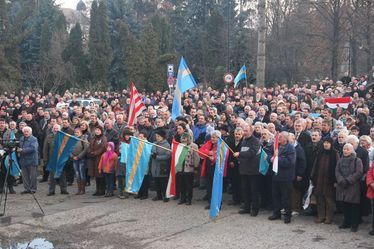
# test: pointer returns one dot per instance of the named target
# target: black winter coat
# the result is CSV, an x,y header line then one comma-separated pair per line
x,y
249,156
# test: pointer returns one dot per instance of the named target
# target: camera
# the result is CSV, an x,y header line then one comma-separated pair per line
x,y
9,145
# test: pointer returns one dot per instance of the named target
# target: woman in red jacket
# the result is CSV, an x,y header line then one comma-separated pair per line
x,y
370,193
208,153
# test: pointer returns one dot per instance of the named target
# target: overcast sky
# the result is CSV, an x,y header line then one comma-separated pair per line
x,y
68,3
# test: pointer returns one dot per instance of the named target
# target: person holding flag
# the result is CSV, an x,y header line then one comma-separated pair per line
x,y
242,74
249,160
161,164
283,180
209,162
191,162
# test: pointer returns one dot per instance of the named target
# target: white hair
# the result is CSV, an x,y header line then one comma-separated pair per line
x,y
352,139
216,133
27,128
351,148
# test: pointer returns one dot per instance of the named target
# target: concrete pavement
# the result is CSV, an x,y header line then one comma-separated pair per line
x,y
97,222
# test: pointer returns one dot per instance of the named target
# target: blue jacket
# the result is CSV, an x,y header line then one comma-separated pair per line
x,y
29,155
286,163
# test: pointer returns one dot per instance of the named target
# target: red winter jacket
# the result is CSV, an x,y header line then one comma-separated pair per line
x,y
203,151
370,180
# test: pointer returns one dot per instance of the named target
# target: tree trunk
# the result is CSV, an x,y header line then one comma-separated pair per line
x,y
261,45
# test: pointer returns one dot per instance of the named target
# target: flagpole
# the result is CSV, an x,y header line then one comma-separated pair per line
x,y
246,78
66,134
228,146
161,147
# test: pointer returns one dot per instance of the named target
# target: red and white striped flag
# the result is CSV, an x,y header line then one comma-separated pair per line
x,y
136,105
333,103
275,158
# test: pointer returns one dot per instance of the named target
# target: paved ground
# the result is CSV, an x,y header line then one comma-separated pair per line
x,y
88,222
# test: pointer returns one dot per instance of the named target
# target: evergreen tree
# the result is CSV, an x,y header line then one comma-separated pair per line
x,y
99,44
133,56
74,54
151,49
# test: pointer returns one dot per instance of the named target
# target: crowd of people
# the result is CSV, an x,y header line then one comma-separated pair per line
x,y
330,149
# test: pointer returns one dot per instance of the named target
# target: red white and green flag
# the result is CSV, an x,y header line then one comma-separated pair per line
x,y
179,153
334,103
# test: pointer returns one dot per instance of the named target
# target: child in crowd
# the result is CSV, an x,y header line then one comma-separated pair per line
x,y
107,164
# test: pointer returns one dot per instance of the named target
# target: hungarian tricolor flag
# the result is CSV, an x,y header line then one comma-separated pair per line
x,y
275,158
333,103
179,153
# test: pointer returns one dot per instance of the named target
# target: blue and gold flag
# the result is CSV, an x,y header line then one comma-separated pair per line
x,y
62,148
185,81
242,74
264,164
221,160
138,156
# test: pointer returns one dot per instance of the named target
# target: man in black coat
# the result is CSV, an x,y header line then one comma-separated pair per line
x,y
235,142
302,137
249,157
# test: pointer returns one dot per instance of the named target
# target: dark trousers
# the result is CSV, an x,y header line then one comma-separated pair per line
x,y
186,185
121,184
143,191
251,191
100,185
45,172
282,191
160,185
178,183
70,172
266,190
351,213
209,175
10,179
109,181
235,184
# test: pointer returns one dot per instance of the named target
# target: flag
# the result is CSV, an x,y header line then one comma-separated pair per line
x,y
136,105
179,153
264,164
124,148
221,159
138,156
185,81
275,158
62,148
333,103
242,74
15,170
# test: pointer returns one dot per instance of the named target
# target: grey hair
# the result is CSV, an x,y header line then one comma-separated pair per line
x,y
238,129
27,128
352,139
216,133
351,148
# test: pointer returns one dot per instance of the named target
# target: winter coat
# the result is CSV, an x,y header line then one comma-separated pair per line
x,y
304,139
161,160
192,160
81,148
348,174
203,152
323,174
286,163
48,147
249,156
29,156
108,167
199,133
370,180
112,136
96,149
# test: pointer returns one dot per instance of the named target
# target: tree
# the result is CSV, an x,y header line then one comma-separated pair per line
x,y
74,54
149,41
261,56
99,44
